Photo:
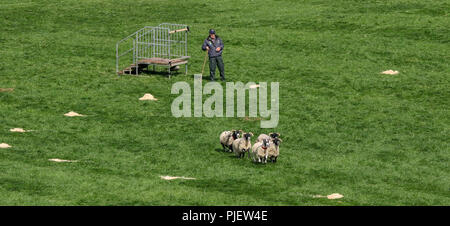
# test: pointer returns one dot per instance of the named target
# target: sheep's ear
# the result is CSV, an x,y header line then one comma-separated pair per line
x,y
278,134
270,134
280,140
251,134
233,131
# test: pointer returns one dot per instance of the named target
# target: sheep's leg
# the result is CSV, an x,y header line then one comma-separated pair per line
x,y
223,146
276,159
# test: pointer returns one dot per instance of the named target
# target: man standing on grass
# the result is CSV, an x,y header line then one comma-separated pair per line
x,y
214,45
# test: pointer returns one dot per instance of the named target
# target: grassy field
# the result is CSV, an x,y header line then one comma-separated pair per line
x,y
377,139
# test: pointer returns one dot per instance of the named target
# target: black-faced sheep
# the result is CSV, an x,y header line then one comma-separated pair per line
x,y
271,136
274,149
242,145
227,138
260,151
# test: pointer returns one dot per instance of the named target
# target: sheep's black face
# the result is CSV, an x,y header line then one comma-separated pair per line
x,y
274,135
277,141
236,135
247,136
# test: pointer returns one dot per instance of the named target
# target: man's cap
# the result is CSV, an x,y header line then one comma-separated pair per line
x,y
212,31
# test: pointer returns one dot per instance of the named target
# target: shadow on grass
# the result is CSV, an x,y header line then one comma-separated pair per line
x,y
220,150
150,72
243,186
235,157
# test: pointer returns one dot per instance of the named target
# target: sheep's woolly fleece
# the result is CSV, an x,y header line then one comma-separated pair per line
x,y
390,72
19,130
62,160
332,196
72,114
4,145
148,96
173,178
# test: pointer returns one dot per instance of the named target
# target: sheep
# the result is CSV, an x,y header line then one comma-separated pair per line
x,y
271,136
242,145
274,149
260,152
261,137
227,138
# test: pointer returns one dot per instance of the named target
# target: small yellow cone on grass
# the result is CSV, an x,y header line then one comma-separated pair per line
x,y
148,96
4,145
6,89
62,160
332,196
19,130
390,72
72,114
335,196
173,178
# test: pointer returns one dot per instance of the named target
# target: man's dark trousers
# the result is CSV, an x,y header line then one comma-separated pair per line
x,y
213,61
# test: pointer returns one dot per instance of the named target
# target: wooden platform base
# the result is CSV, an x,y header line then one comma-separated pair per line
x,y
144,63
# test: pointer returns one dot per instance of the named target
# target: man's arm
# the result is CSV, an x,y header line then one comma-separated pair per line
x,y
205,46
220,47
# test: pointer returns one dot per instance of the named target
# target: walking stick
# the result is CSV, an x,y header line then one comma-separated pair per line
x,y
204,62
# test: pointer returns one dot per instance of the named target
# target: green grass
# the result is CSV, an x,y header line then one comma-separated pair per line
x,y
376,139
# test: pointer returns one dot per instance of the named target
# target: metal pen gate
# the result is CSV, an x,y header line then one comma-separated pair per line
x,y
165,45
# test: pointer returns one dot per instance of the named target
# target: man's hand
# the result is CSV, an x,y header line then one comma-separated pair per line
x,y
207,48
218,49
